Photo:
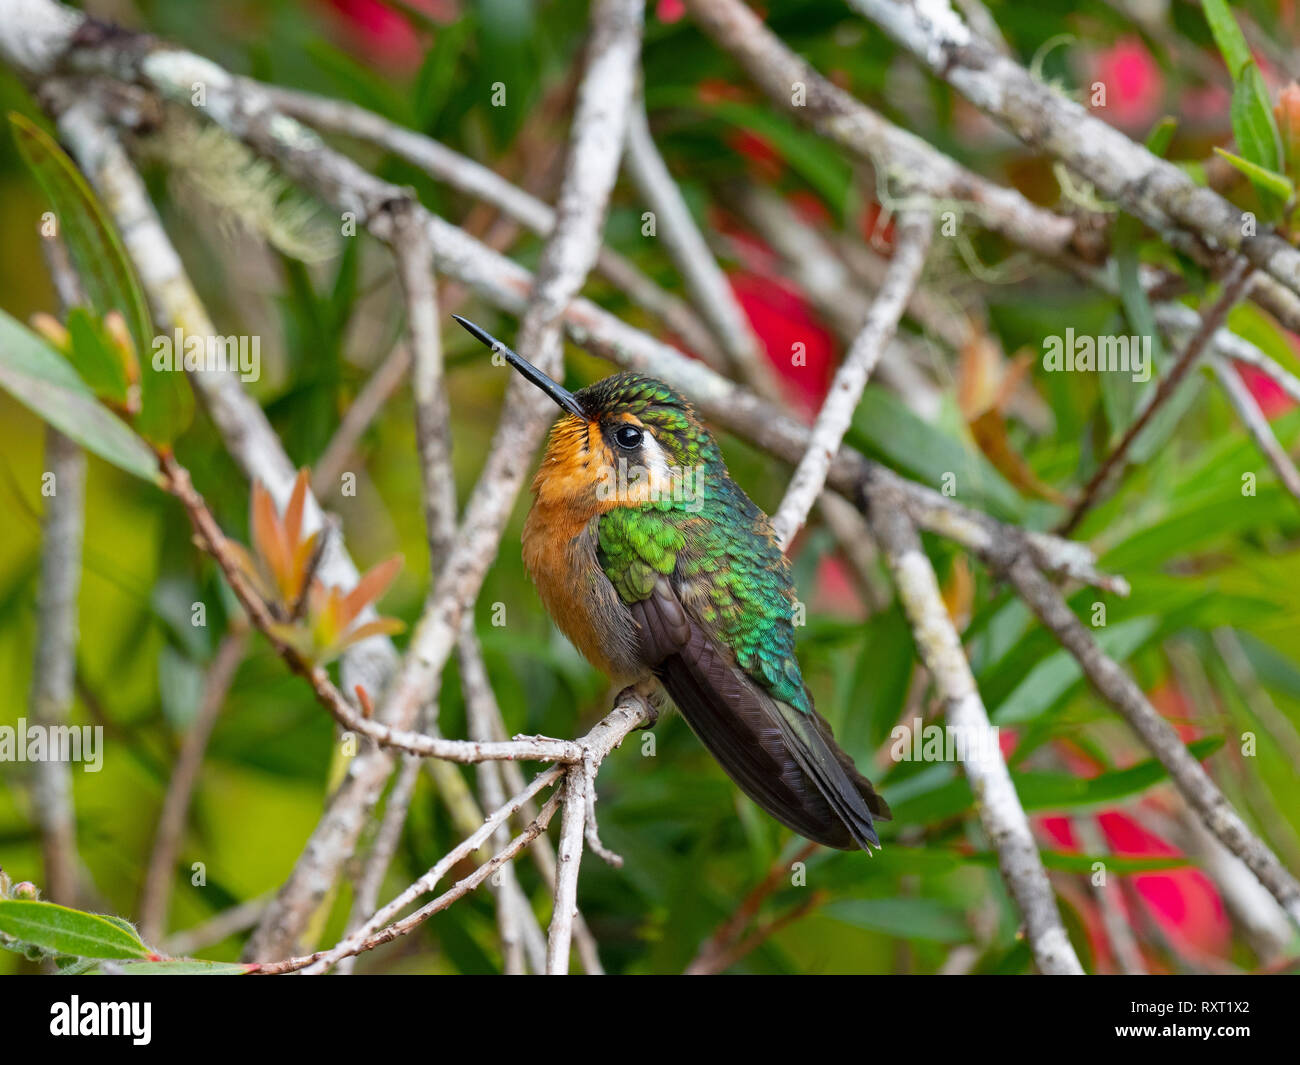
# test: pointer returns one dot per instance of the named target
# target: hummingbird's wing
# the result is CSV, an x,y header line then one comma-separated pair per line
x,y
783,758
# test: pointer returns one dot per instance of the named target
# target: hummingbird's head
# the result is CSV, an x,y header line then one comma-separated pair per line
x,y
628,440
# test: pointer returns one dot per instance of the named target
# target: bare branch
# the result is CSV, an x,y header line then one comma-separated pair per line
x,y
54,669
999,807
893,153
630,713
476,180
1257,425
519,928
387,378
1211,319
1155,190
851,378
569,855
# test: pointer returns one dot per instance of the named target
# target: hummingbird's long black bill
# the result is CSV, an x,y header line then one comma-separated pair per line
x,y
552,388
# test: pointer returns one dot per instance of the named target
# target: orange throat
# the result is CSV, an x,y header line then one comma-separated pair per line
x,y
558,553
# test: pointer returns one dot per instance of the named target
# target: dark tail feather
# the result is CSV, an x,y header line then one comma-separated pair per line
x,y
785,760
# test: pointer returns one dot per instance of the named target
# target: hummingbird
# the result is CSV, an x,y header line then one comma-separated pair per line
x,y
659,568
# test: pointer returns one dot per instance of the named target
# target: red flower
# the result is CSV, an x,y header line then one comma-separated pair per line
x,y
1133,83
765,161
383,36
1183,902
670,10
798,346
1272,400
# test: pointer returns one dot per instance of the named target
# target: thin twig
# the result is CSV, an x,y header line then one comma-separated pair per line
x,y
851,378
999,807
54,668
1211,319
387,378
719,946
569,855
221,926
156,895
894,153
1156,190
1256,424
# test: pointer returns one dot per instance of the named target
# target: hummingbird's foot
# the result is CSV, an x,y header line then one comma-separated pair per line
x,y
650,695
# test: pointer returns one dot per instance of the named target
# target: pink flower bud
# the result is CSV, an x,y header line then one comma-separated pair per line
x,y
1287,113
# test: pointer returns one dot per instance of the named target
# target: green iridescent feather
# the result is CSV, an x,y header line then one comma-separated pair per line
x,y
717,546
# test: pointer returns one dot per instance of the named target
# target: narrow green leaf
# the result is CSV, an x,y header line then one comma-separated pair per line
x,y
1161,136
1115,863
439,71
884,427
1252,120
95,246
1275,184
1227,35
905,918
1257,138
1122,394
42,380
61,930
1039,790
93,357
167,404
1046,791
879,684
1056,674
185,967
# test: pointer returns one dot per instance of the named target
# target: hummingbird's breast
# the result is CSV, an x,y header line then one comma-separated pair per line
x,y
559,547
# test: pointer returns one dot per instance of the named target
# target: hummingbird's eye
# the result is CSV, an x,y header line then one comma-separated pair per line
x,y
628,437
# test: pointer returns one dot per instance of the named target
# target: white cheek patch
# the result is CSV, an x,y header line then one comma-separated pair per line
x,y
654,460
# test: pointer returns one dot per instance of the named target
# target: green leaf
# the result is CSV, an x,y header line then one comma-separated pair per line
x,y
1056,674
1038,790
1048,791
96,249
166,403
879,685
186,967
43,381
1252,120
905,918
884,428
439,71
1122,394
1161,136
1115,863
1227,35
1257,138
60,930
92,354
1274,184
